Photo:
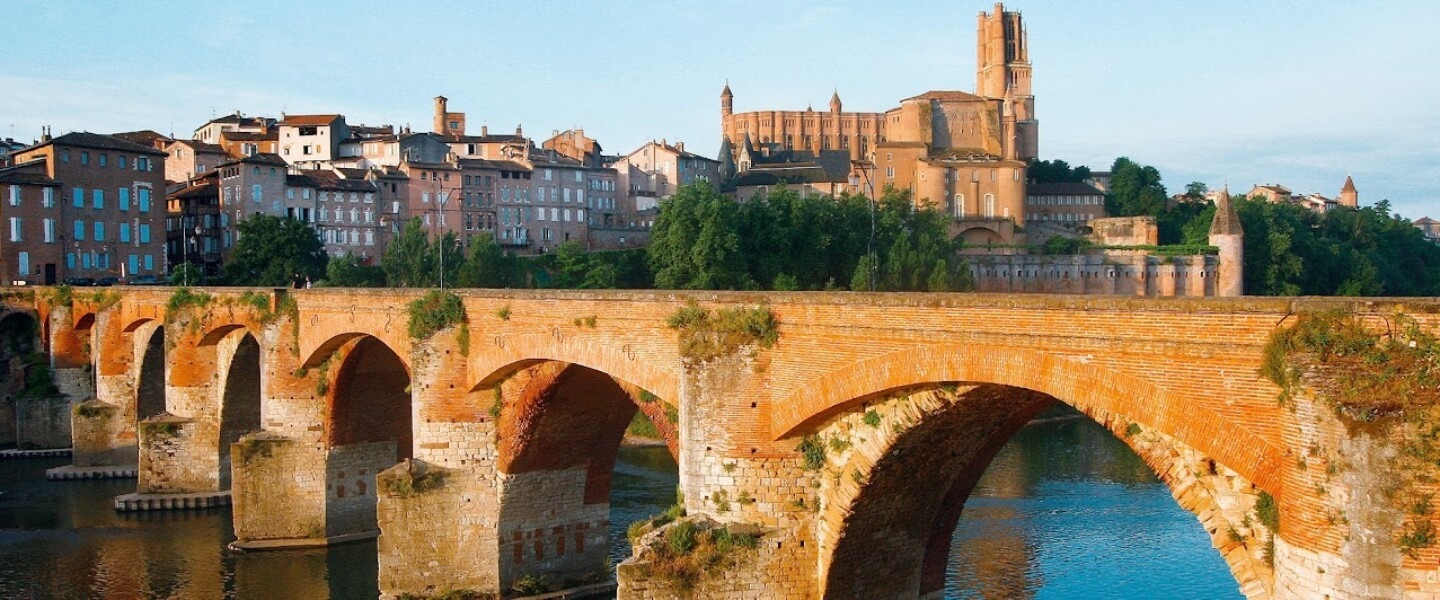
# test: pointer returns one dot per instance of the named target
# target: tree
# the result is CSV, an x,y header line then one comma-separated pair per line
x,y
488,266
274,251
1135,189
1056,171
1196,190
695,243
408,261
348,271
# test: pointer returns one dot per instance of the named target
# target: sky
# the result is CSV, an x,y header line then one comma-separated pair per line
x,y
1222,92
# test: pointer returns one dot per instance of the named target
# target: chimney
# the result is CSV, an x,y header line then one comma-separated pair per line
x,y
45,134
680,146
484,130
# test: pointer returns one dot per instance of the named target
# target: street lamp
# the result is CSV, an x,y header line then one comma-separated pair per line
x,y
860,167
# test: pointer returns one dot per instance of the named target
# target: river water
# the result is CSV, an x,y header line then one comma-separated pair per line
x,y
1065,511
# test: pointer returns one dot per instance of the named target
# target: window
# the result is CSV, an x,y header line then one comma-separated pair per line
x,y
14,195
24,263
149,262
49,231
567,194
134,261
567,215
48,198
959,206
15,229
79,231
989,206
99,231
124,198
84,157
125,232
104,159
142,163
78,198
120,161
65,155
70,260
579,177
145,234
98,198
144,199
256,193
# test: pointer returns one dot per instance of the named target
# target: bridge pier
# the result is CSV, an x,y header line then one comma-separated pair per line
x,y
1357,518
212,397
103,433
746,485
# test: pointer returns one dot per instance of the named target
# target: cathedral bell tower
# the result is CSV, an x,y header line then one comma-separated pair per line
x,y
1003,73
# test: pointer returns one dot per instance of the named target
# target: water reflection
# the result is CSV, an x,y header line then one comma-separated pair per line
x,y
1065,511
1068,511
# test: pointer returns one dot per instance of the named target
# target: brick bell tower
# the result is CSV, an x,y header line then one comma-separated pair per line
x,y
1003,73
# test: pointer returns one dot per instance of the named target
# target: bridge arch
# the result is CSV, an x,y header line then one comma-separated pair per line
x,y
558,435
497,358
957,407
1084,386
367,423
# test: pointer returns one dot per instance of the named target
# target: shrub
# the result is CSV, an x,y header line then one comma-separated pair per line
x,y
434,311
704,336
814,452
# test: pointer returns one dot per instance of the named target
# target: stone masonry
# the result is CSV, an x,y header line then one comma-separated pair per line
x,y
503,470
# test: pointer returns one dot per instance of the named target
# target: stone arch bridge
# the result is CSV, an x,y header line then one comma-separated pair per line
x,y
482,453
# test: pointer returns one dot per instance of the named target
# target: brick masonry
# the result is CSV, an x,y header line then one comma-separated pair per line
x,y
1182,371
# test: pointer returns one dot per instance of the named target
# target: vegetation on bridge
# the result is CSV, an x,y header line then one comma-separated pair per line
x,y
1380,382
706,335
437,310
688,549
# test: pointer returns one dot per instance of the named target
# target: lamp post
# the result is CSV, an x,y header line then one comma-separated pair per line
x,y
860,167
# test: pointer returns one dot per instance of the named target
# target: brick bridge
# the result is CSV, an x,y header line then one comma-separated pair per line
x,y
493,443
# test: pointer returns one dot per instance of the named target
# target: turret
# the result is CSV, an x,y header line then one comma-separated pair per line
x,y
727,101
835,102
1349,196
1227,235
727,161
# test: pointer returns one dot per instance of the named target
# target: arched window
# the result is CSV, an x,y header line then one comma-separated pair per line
x,y
959,206
989,206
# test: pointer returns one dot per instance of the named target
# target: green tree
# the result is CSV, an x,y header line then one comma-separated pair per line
x,y
488,266
273,251
695,243
1135,189
347,271
408,261
1055,171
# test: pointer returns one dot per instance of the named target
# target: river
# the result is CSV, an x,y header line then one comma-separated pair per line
x,y
1065,511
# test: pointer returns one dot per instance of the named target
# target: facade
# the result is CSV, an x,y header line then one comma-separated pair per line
x,y
655,170
964,154
1430,227
193,231
1070,203
576,145
189,159
30,252
1272,192
107,212
308,141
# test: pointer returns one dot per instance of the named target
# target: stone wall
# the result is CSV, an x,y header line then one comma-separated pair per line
x,y
1124,231
278,489
350,485
546,527
165,465
41,422
1133,275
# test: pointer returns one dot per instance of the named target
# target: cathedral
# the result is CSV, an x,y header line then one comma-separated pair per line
x,y
963,153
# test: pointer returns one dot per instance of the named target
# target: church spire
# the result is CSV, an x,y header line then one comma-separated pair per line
x,y
1226,221
727,101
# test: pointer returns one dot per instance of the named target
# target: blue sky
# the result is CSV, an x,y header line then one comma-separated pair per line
x,y
1298,93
